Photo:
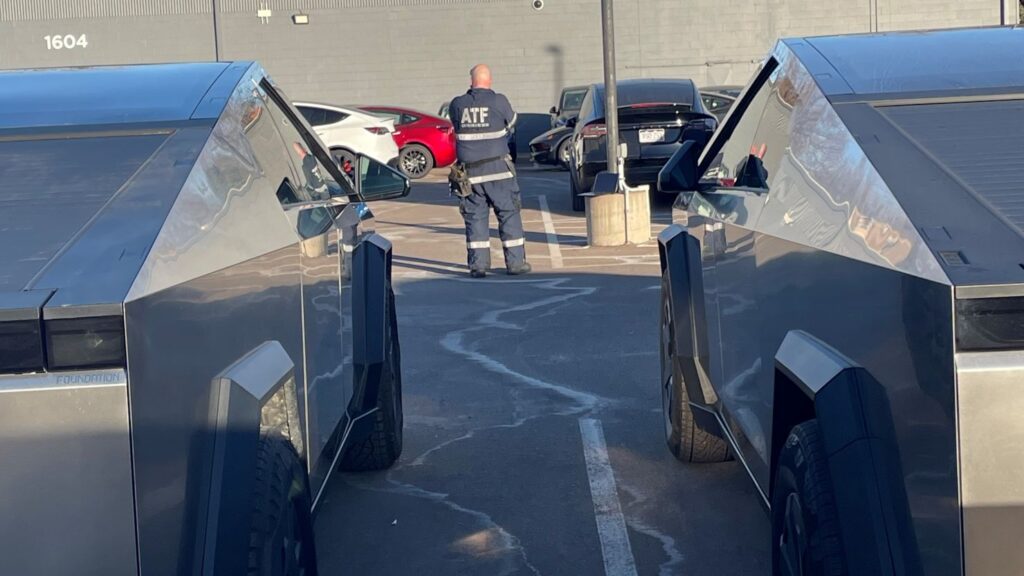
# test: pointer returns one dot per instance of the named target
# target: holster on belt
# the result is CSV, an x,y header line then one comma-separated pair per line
x,y
511,165
458,181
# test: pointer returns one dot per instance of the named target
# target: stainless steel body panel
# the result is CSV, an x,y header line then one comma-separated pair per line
x,y
825,193
742,403
898,328
66,475
202,250
178,340
227,211
824,246
991,444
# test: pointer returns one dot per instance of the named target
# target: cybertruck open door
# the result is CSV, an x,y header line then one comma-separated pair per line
x,y
196,322
841,301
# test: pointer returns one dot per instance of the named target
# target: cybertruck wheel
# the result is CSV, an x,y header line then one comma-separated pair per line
x,y
578,202
415,161
687,441
805,527
281,541
384,444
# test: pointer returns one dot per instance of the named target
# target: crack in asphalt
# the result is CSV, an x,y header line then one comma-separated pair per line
x,y
455,342
633,512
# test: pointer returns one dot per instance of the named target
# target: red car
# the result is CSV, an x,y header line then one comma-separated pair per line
x,y
424,141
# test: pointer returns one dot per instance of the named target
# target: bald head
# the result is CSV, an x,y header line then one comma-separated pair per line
x,y
480,76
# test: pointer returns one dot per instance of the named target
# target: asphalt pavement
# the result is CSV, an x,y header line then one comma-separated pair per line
x,y
533,435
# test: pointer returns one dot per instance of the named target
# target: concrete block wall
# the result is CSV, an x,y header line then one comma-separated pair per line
x,y
418,52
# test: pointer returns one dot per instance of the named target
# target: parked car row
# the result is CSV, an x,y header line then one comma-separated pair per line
x,y
411,141
655,117
554,147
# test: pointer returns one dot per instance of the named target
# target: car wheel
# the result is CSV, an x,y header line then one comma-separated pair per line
x,y
805,526
346,159
687,441
562,156
415,161
281,539
578,202
384,444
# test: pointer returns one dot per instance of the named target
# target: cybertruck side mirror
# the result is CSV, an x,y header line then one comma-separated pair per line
x,y
679,174
377,181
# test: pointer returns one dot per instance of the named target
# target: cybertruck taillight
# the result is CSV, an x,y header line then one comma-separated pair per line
x,y
21,347
77,343
31,341
990,324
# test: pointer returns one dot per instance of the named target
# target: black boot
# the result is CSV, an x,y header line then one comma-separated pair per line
x,y
523,268
478,273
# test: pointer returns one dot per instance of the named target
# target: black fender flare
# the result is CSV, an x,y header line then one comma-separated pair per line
x,y
257,390
859,437
680,255
371,282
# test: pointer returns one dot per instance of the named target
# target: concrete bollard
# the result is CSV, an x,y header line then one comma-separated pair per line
x,y
606,219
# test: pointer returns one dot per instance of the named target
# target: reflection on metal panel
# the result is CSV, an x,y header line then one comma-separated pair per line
x,y
991,450
824,191
227,211
179,339
69,504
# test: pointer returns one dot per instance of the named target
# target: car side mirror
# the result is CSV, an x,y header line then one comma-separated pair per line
x,y
679,174
554,111
377,181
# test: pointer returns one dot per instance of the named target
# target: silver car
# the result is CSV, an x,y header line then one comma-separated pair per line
x,y
843,301
196,323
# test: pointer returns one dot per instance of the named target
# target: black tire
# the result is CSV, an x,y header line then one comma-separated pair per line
x,y
687,441
805,527
579,203
415,161
383,446
562,154
281,538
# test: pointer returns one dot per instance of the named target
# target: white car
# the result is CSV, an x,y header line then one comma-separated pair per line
x,y
348,132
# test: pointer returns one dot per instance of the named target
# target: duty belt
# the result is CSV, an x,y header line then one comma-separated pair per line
x,y
461,182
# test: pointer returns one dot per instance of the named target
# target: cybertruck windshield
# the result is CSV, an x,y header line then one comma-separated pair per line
x,y
52,188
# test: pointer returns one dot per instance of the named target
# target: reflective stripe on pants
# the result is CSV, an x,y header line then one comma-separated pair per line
x,y
475,209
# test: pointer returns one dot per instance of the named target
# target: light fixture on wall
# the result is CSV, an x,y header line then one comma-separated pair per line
x,y
264,13
300,18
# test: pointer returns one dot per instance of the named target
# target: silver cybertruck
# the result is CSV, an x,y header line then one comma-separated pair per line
x,y
843,301
196,325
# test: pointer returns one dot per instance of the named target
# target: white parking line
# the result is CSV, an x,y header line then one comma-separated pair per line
x,y
611,526
549,229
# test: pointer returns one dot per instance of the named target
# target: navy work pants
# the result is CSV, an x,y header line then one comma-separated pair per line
x,y
475,208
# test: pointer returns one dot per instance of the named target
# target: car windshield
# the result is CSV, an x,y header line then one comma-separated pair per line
x,y
572,100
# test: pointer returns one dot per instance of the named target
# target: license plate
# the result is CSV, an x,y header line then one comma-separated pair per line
x,y
652,135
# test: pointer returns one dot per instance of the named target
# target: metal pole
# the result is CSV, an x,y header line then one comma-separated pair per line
x,y
216,33
611,99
